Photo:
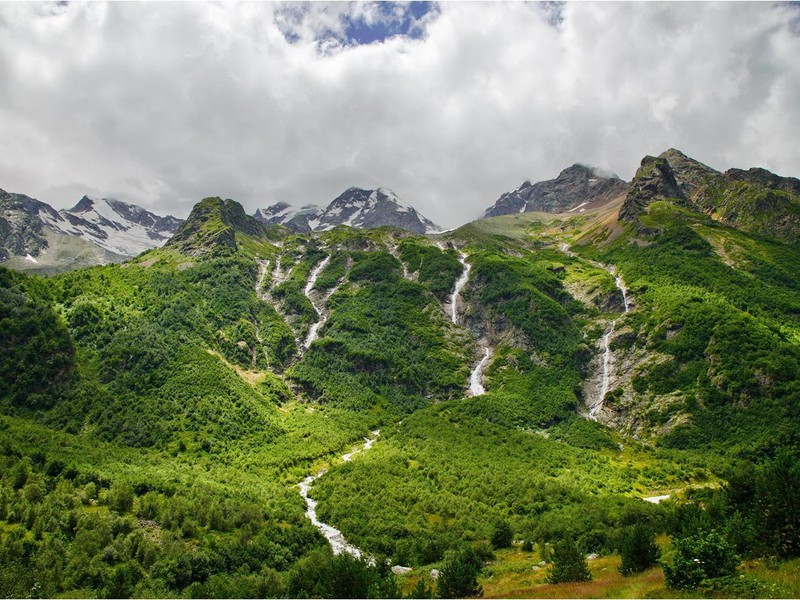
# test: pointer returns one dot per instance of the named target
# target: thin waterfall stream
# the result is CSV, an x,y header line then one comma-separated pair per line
x,y
597,405
460,283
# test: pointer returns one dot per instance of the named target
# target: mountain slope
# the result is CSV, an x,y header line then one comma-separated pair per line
x,y
574,188
169,407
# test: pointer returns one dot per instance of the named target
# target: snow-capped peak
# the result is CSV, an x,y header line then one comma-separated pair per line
x,y
355,207
116,226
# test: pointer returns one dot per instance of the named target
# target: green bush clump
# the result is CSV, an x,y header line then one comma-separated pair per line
x,y
458,575
699,558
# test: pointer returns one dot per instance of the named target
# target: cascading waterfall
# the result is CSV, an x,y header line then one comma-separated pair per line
x,y
621,286
476,377
460,283
598,404
312,333
334,536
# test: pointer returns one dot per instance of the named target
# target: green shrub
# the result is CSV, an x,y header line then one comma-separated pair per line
x,y
458,577
502,536
698,558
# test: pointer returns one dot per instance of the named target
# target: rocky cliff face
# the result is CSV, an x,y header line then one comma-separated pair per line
x,y
22,229
575,187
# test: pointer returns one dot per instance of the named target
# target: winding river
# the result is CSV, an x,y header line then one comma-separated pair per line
x,y
334,536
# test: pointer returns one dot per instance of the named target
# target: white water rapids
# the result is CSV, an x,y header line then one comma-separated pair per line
x,y
312,333
334,536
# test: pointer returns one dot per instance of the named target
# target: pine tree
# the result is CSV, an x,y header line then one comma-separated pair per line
x,y
638,549
569,563
458,577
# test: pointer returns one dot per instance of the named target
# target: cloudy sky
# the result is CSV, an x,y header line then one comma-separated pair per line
x,y
448,104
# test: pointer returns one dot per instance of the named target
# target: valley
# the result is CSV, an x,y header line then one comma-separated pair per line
x,y
254,410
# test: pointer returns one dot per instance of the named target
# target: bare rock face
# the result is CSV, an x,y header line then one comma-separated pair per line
x,y
574,187
655,180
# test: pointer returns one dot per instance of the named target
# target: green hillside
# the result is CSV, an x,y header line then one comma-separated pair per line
x,y
158,415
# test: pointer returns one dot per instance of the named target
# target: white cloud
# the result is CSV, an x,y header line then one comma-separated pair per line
x,y
163,104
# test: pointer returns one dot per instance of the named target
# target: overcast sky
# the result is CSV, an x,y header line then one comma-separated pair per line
x,y
449,105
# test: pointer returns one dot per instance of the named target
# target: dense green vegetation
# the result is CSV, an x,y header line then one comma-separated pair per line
x,y
157,416
385,344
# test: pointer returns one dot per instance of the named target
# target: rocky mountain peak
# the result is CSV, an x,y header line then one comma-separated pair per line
x,y
576,187
691,175
654,180
214,223
754,200
85,204
355,207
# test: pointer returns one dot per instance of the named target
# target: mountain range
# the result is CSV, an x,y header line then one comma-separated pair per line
x,y
34,236
512,408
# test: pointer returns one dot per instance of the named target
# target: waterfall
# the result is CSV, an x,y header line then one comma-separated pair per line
x,y
312,333
460,283
606,380
476,377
